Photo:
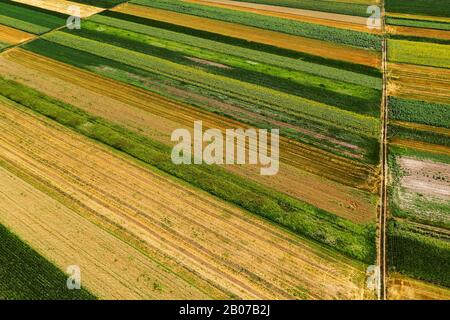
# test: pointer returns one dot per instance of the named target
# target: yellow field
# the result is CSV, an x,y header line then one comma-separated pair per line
x,y
13,36
404,288
419,82
225,246
63,6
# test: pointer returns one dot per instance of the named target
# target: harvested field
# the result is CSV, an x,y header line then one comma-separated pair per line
x,y
13,36
62,6
300,170
404,288
418,32
110,268
428,178
251,258
419,82
340,21
286,41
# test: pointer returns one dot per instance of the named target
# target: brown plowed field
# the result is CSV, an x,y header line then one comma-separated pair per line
x,y
62,6
323,18
278,39
110,268
418,82
403,288
418,32
13,36
230,248
157,117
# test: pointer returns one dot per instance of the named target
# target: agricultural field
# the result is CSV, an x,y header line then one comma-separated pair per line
x,y
419,154
87,170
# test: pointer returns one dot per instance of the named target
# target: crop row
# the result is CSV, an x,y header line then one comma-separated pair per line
x,y
262,96
117,20
316,134
434,114
354,240
353,9
343,95
309,30
25,274
401,132
101,3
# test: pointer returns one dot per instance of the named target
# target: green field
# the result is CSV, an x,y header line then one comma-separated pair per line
x,y
352,239
420,53
421,7
418,23
433,114
24,274
343,95
243,50
420,254
309,30
30,19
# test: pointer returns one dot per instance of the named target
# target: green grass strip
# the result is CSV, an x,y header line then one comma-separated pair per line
x,y
356,241
22,25
418,23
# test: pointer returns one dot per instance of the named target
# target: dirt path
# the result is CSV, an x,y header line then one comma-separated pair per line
x,y
63,6
226,246
334,20
152,115
282,40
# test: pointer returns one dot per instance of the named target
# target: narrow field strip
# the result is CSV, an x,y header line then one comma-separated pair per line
x,y
62,6
418,32
110,268
420,53
296,43
339,21
245,248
